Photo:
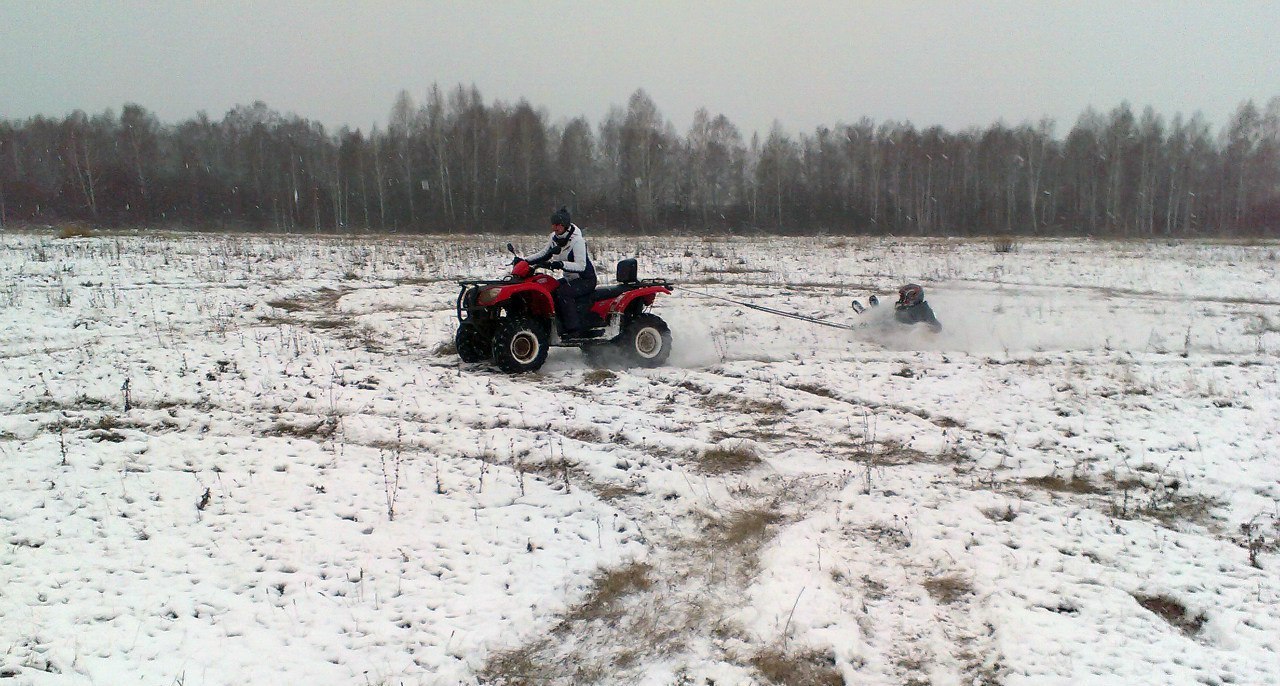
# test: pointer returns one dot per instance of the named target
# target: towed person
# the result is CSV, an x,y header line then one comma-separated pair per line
x,y
909,309
567,251
912,309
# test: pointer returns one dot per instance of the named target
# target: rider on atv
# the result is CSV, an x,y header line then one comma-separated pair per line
x,y
512,321
567,251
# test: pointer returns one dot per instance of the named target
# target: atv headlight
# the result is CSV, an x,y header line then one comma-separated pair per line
x,y
488,295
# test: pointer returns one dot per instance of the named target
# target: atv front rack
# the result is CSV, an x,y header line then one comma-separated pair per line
x,y
470,291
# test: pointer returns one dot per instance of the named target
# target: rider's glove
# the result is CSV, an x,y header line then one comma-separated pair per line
x,y
555,265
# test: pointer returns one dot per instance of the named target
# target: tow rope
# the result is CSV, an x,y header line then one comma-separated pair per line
x,y
770,310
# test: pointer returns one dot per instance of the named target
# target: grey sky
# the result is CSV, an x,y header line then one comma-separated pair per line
x,y
801,63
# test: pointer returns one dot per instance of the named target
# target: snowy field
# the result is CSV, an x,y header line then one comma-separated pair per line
x,y
257,460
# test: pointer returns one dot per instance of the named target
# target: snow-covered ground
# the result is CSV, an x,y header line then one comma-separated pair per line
x,y
256,460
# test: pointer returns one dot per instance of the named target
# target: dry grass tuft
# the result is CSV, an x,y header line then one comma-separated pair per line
x,y
873,589
1145,496
733,269
892,453
948,589
981,671
520,667
599,377
586,434
107,422
945,422
324,298
1174,612
613,492
1005,514
635,613
750,406
809,668
75,230
693,387
317,429
1004,244
287,304
889,534
365,336
748,526
1171,508
814,389
603,610
1167,501
608,589
99,435
717,461
1056,483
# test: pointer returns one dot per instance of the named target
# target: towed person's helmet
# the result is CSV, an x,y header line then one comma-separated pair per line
x,y
910,295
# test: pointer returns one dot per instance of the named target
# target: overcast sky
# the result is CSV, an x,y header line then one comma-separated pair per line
x,y
801,63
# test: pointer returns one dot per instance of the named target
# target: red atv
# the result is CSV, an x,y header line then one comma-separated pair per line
x,y
513,321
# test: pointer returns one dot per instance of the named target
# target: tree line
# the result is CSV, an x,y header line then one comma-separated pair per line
x,y
456,163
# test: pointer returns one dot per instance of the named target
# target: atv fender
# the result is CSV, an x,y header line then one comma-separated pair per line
x,y
535,291
640,297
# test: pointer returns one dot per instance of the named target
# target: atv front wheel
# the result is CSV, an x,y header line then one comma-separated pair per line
x,y
520,345
472,342
647,341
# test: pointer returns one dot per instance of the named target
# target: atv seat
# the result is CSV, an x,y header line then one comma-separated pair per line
x,y
611,291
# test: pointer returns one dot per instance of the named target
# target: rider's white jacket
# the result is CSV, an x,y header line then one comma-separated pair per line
x,y
572,252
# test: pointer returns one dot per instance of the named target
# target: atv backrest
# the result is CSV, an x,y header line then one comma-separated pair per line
x,y
627,270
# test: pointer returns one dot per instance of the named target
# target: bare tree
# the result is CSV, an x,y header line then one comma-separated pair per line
x,y
377,143
79,155
576,170
400,132
646,141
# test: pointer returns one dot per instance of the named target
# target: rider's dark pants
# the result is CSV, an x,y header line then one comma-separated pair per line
x,y
569,297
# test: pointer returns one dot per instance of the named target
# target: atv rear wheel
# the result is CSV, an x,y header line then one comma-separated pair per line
x,y
520,345
646,341
472,342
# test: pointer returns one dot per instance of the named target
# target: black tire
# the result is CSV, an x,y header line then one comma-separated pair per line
x,y
473,342
646,341
520,345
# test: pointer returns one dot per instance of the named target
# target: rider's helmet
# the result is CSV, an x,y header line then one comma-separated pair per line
x,y
561,217
910,295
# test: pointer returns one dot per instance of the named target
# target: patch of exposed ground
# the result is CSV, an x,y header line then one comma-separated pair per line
x,y
654,610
